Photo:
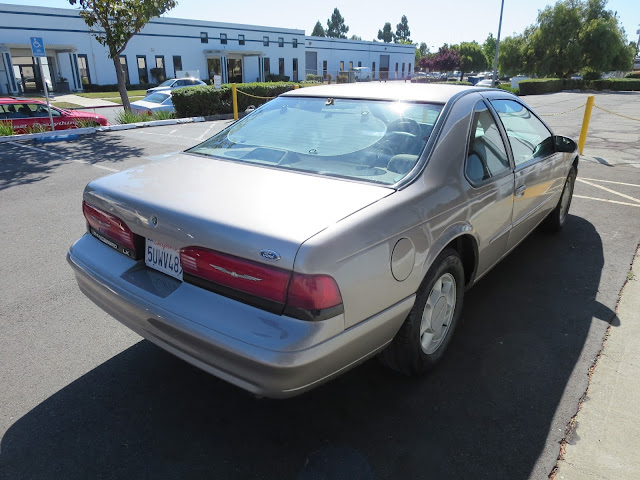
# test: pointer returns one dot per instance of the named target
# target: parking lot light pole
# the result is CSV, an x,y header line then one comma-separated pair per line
x,y
494,77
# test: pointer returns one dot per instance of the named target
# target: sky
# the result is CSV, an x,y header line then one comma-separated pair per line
x,y
431,21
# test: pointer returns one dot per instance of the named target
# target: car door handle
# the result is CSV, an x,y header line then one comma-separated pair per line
x,y
520,190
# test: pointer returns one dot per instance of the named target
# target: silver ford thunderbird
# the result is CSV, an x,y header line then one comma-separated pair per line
x,y
331,225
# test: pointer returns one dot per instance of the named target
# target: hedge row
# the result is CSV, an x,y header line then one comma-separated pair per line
x,y
113,87
551,85
207,100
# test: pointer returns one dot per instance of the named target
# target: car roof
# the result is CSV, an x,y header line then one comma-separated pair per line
x,y
4,100
398,91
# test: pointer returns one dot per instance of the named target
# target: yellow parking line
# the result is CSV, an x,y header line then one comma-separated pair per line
x,y
609,201
609,190
610,181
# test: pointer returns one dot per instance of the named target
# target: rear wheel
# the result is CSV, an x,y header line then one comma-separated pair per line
x,y
557,218
421,341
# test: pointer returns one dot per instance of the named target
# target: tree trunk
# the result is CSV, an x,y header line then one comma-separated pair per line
x,y
122,86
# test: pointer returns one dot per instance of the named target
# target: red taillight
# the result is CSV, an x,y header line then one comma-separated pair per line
x,y
238,274
307,297
313,292
110,227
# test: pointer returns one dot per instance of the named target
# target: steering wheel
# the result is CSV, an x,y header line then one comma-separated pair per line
x,y
406,125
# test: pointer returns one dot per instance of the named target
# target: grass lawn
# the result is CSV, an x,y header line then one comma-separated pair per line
x,y
111,95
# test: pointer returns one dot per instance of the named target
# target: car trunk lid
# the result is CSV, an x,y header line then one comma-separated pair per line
x,y
238,209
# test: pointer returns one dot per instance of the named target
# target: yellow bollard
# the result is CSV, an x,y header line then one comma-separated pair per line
x,y
296,87
585,123
235,101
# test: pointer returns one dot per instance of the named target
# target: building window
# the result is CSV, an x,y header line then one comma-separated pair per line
x,y
350,66
342,66
267,67
373,70
125,68
240,39
265,41
324,68
359,64
280,42
396,67
143,75
204,37
403,69
159,73
83,68
177,65
409,69
295,69
281,66
223,38
295,43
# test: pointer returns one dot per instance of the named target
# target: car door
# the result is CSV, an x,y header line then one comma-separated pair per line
x,y
490,173
538,167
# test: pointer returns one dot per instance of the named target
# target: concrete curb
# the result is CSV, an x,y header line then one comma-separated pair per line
x,y
72,132
51,135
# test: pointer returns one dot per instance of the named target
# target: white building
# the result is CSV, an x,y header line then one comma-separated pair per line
x,y
332,55
238,53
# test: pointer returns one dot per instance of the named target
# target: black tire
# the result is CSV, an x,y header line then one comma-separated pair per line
x,y
558,216
405,353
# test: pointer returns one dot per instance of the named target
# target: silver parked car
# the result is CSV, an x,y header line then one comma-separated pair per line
x,y
174,83
332,224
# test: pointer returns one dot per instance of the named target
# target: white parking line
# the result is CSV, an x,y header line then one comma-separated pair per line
x,y
609,201
611,181
629,197
39,150
102,167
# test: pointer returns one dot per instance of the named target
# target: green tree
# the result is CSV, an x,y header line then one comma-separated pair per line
x,y
472,58
512,56
119,21
336,27
355,37
385,34
575,35
318,31
402,31
489,48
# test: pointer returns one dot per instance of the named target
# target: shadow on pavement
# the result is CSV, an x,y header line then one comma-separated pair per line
x,y
26,163
486,412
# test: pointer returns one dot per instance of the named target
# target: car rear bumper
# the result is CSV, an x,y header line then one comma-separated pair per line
x,y
263,353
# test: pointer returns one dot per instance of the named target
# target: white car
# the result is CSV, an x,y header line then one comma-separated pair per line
x,y
172,83
156,102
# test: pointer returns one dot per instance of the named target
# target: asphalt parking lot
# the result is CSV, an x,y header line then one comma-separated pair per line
x,y
84,397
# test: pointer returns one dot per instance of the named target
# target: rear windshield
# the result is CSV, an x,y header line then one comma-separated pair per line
x,y
157,97
373,141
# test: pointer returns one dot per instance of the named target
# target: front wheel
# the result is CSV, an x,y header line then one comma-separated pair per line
x,y
558,216
421,341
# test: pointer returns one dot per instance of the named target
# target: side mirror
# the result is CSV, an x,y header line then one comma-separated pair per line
x,y
564,144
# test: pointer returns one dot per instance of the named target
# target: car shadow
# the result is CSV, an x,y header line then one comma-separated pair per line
x,y
488,411
25,163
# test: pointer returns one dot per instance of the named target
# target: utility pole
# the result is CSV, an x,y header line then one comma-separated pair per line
x,y
495,60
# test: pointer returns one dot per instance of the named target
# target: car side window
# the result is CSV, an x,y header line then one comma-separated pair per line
x,y
487,156
529,137
42,111
181,83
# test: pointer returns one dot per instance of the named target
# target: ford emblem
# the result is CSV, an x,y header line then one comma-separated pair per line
x,y
270,255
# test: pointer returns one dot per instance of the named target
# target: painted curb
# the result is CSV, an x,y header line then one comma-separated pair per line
x,y
55,133
90,130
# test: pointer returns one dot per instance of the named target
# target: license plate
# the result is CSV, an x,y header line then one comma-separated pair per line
x,y
163,258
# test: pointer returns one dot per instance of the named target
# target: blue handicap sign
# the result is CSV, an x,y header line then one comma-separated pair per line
x,y
37,47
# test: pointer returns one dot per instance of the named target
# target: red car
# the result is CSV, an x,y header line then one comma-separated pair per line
x,y
27,114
